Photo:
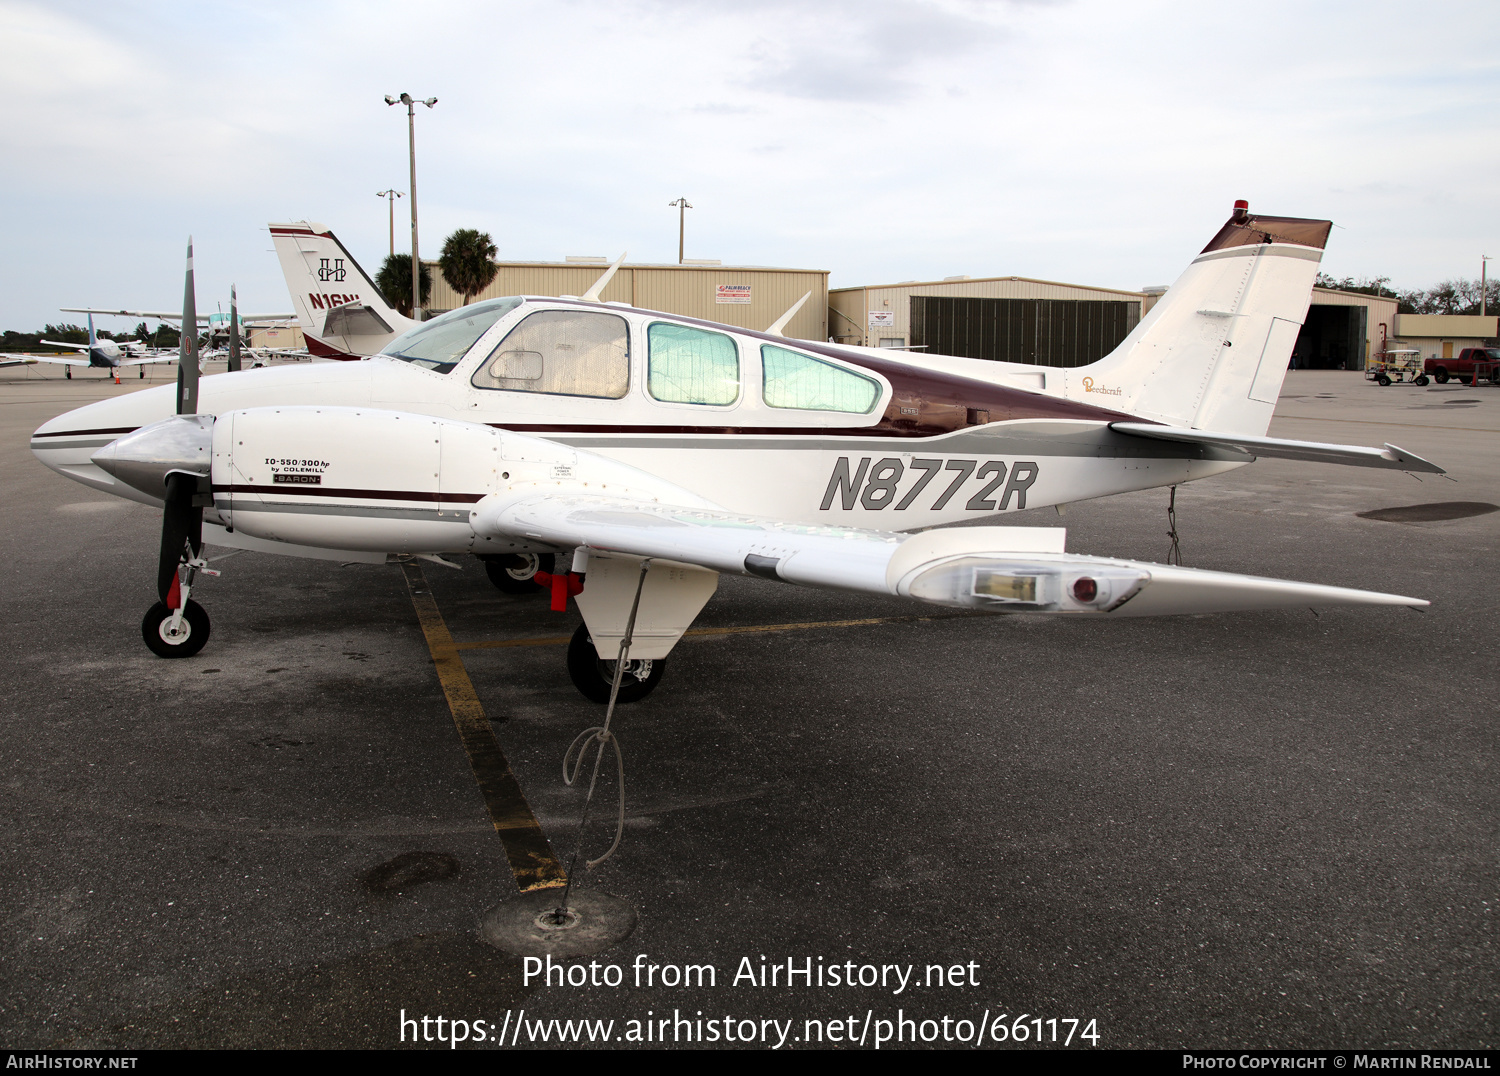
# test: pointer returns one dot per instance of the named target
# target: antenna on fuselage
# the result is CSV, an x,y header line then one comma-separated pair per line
x,y
594,293
780,323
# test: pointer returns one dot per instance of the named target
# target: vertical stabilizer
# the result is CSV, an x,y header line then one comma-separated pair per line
x,y
340,310
1213,351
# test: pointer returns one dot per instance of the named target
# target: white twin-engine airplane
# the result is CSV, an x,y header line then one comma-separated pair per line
x,y
662,450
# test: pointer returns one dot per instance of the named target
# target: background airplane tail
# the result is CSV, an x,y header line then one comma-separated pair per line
x,y
1213,351
323,277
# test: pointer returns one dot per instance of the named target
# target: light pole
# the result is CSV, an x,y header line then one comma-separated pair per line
x,y
391,196
683,206
1483,281
411,135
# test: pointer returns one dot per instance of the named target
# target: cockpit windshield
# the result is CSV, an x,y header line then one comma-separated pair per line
x,y
439,344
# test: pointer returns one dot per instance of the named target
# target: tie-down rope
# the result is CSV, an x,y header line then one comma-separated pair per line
x,y
601,736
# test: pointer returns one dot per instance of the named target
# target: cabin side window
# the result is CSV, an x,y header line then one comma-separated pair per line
x,y
563,353
688,365
792,379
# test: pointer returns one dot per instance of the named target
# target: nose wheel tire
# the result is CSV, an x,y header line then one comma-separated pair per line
x,y
593,676
514,573
189,637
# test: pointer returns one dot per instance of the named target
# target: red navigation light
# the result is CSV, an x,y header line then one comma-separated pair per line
x,y
1085,589
1241,204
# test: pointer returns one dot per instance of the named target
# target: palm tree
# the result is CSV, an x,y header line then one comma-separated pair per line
x,y
468,262
394,282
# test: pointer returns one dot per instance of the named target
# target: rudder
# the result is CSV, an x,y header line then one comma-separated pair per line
x,y
1213,352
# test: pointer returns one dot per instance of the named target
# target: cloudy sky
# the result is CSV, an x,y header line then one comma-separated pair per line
x,y
1079,140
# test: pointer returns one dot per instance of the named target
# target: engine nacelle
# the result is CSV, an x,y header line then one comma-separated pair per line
x,y
386,481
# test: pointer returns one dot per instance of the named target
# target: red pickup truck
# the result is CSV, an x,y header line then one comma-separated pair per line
x,y
1463,367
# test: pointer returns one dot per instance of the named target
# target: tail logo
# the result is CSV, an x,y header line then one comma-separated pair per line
x,y
1089,386
336,272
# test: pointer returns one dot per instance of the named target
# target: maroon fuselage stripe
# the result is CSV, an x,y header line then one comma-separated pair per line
x,y
325,351
87,433
364,494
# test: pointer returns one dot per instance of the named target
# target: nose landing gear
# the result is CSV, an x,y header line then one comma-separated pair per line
x,y
177,627
175,633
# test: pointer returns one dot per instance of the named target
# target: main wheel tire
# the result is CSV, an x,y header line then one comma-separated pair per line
x,y
1440,376
515,573
191,636
593,676
1420,379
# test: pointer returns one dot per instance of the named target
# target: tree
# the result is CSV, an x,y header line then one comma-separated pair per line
x,y
66,333
468,262
394,282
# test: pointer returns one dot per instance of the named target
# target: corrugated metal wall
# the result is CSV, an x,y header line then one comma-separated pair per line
x,y
852,306
688,290
1378,310
1041,332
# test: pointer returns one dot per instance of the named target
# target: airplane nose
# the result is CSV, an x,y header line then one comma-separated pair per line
x,y
143,458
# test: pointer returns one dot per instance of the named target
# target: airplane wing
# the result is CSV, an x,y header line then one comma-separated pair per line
x,y
1280,448
995,569
26,360
168,315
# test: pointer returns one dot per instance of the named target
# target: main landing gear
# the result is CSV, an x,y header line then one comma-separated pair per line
x,y
593,676
515,573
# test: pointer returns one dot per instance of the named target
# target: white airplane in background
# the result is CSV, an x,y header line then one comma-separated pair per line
x,y
219,326
662,450
100,353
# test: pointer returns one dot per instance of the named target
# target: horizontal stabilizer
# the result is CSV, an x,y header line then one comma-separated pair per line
x,y
1279,448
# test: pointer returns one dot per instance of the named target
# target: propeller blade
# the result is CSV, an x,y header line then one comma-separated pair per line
x,y
181,527
187,352
234,330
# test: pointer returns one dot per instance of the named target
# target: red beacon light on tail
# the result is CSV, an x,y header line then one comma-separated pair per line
x,y
1241,210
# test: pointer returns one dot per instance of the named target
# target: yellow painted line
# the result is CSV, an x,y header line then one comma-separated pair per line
x,y
530,856
739,629
492,644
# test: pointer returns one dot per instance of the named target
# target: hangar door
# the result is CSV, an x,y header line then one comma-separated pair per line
x,y
1042,332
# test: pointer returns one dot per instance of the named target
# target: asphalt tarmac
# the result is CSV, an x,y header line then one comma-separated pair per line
x,y
1251,830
